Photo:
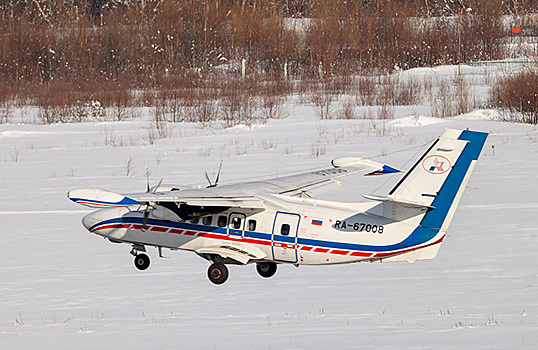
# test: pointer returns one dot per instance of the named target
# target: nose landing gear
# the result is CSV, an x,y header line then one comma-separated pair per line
x,y
141,261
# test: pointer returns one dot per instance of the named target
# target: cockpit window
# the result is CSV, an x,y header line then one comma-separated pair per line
x,y
206,220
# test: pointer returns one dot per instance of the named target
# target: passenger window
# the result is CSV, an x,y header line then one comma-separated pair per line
x,y
252,225
206,220
285,230
236,223
195,220
222,221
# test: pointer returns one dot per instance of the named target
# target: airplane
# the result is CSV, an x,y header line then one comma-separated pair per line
x,y
279,221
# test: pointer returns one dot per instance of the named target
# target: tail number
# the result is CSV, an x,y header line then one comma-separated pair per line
x,y
359,227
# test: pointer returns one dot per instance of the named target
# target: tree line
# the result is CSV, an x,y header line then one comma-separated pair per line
x,y
142,41
74,51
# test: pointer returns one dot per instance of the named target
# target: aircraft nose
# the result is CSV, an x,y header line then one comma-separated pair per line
x,y
91,219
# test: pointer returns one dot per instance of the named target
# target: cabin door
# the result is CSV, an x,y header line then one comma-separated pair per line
x,y
284,236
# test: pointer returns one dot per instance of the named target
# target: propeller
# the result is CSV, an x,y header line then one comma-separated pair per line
x,y
149,205
216,179
146,216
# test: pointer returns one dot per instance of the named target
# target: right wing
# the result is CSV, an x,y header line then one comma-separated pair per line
x,y
191,203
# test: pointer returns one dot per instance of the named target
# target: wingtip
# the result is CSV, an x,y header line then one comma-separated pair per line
x,y
384,170
97,198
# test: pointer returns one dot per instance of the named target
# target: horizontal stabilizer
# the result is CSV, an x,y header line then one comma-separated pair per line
x,y
384,170
402,202
370,167
97,198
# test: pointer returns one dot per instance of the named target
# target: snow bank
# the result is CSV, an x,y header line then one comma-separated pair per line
x,y
415,120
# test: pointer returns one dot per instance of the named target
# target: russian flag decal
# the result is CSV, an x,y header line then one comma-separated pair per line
x,y
317,222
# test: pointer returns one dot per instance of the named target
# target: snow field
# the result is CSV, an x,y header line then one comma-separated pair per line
x,y
63,287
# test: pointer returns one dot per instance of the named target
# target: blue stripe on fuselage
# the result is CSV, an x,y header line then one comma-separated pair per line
x,y
264,236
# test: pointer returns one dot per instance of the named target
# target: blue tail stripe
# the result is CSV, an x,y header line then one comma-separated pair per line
x,y
444,199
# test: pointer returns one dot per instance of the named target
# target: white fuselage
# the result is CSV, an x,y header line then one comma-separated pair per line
x,y
290,230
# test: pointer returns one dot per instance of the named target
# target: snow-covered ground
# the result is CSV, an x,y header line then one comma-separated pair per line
x,y
62,287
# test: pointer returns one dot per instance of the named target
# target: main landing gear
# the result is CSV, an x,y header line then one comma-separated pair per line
x,y
217,273
266,269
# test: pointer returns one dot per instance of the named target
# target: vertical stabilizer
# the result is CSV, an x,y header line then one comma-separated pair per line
x,y
436,182
439,177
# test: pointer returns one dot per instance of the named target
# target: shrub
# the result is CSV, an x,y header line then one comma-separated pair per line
x,y
518,94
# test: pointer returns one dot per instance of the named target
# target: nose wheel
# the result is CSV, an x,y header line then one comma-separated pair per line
x,y
141,261
217,273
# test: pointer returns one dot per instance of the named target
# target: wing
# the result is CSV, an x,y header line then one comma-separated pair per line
x,y
191,203
317,182
245,194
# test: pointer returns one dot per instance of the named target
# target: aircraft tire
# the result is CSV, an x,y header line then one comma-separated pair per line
x,y
141,261
217,273
266,269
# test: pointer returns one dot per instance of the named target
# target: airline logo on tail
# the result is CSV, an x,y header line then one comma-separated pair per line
x,y
436,164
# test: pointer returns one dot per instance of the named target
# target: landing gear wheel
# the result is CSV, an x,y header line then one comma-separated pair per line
x,y
266,269
141,261
217,273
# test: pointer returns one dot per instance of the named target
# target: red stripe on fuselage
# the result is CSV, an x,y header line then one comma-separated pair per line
x,y
339,252
360,254
224,237
321,250
111,226
159,229
381,255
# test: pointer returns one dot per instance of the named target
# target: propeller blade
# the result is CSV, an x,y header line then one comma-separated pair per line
x,y
218,174
147,180
208,180
146,216
158,185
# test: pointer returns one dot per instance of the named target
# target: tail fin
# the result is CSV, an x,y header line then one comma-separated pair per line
x,y
439,177
427,196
